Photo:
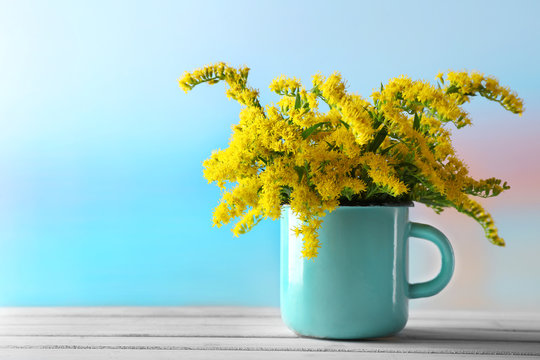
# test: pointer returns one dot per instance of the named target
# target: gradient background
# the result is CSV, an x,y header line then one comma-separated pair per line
x,y
102,199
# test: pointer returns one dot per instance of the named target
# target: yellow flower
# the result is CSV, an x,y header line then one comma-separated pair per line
x,y
394,147
283,85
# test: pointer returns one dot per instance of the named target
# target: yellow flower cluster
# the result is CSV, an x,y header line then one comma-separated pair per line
x,y
235,78
391,149
465,85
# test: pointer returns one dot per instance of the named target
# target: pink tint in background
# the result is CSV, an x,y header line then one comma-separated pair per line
x,y
488,277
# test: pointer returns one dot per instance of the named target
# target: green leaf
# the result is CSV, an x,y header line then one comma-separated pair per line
x,y
285,194
313,129
384,151
379,138
348,193
287,190
416,123
452,89
347,126
262,159
298,102
300,170
331,146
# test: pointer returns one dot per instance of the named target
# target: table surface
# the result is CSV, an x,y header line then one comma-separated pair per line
x,y
247,333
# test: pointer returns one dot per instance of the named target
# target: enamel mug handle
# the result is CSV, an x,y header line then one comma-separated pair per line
x,y
432,287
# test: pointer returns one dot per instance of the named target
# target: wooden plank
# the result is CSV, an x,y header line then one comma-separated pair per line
x,y
131,326
92,354
244,327
472,324
237,311
398,344
182,330
227,330
7,323
154,330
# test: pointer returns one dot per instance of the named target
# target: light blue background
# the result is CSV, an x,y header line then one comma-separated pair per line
x,y
102,199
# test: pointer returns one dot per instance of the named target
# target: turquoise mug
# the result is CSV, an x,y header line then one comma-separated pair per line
x,y
357,287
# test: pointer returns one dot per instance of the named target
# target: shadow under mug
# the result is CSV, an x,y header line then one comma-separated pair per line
x,y
357,287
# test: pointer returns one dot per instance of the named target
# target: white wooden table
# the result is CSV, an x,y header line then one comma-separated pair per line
x,y
250,333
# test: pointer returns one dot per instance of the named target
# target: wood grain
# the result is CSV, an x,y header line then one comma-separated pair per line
x,y
237,332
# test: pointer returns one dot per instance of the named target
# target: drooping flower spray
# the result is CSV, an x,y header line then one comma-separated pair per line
x,y
392,148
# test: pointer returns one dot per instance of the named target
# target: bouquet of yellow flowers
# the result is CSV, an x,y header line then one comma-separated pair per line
x,y
393,148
